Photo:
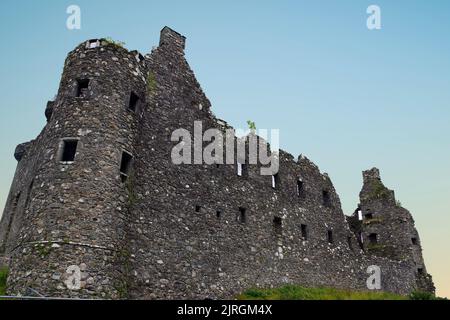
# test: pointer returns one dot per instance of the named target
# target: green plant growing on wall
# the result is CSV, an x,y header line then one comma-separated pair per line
x,y
43,250
151,83
251,125
398,203
129,185
113,42
372,221
122,289
122,285
378,190
375,247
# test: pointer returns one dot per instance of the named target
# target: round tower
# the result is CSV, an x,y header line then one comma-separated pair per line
x,y
80,180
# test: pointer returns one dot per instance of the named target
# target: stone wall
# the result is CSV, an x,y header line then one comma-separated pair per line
x,y
388,229
4,261
165,230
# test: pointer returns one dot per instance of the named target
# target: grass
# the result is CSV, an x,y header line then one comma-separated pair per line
x,y
3,277
113,42
417,295
375,246
291,292
378,191
372,221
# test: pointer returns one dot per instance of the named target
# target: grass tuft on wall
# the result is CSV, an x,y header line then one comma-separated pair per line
x,y
3,277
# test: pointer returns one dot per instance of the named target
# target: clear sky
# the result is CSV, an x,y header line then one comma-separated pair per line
x,y
346,97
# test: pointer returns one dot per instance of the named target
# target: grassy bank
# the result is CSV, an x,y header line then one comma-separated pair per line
x,y
3,276
291,292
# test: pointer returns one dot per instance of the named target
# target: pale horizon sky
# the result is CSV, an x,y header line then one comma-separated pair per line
x,y
346,97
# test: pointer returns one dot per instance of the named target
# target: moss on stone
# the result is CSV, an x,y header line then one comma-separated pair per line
x,y
372,221
375,247
43,250
378,191
132,197
122,289
151,83
121,286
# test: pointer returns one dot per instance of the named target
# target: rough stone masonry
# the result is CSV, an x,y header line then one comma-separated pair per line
x,y
97,190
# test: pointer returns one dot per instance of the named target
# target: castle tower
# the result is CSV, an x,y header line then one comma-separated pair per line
x,y
387,229
67,209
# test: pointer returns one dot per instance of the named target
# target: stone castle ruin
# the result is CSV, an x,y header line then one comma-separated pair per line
x,y
97,192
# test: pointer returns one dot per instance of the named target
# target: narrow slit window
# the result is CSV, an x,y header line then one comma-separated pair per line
x,y
16,200
360,217
326,198
82,88
350,244
242,217
134,102
304,230
420,271
239,169
125,165
414,241
275,181
277,225
373,238
299,187
368,216
218,214
198,208
69,150
330,236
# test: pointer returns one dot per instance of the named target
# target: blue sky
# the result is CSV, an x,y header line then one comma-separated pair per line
x,y
346,97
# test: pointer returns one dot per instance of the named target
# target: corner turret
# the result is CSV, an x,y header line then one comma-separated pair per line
x,y
374,189
387,229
